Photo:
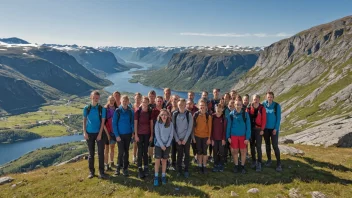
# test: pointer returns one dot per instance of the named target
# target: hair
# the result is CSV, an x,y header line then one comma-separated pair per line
x,y
246,96
205,92
95,93
190,92
167,89
160,97
168,121
256,96
108,102
238,97
125,97
182,100
145,98
220,106
151,92
270,93
216,89
191,101
202,101
138,94
116,92
233,91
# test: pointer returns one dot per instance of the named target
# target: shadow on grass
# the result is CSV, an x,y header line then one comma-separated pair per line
x,y
326,165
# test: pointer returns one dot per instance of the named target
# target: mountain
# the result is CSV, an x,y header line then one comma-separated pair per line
x,y
311,74
160,56
96,60
31,75
200,70
13,40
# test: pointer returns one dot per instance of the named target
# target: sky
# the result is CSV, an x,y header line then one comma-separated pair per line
x,y
140,23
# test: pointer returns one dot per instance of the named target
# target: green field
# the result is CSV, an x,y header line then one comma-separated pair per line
x,y
50,130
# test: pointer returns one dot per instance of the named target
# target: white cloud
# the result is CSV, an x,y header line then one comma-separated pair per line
x,y
260,35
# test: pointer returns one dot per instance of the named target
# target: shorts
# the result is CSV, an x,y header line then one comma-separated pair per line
x,y
112,138
201,145
237,142
160,154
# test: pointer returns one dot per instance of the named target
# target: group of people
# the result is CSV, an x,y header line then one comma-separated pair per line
x,y
216,129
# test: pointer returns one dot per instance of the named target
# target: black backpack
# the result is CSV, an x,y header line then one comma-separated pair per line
x,y
129,111
196,116
175,114
100,110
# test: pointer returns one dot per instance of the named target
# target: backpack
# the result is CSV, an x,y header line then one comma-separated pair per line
x,y
175,114
196,116
100,110
129,111
260,109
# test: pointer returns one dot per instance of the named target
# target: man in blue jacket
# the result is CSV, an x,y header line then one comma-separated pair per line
x,y
123,127
272,127
238,133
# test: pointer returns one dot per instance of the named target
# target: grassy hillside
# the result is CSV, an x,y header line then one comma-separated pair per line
x,y
320,169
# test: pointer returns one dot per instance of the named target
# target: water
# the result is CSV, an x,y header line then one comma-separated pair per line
x,y
121,84
9,152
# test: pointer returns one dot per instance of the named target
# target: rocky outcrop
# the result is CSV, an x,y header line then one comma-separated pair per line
x,y
75,159
311,75
4,180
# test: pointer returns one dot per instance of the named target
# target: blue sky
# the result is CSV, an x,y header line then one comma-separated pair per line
x,y
164,22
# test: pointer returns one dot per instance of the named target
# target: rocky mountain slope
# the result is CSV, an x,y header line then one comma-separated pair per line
x,y
311,74
202,70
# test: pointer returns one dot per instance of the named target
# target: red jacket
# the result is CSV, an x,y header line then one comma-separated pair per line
x,y
258,120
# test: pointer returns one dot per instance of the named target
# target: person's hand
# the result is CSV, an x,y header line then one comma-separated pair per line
x,y
246,142
151,139
179,142
183,142
261,133
212,142
163,148
223,142
229,139
118,139
136,138
99,137
86,136
194,140
208,141
274,132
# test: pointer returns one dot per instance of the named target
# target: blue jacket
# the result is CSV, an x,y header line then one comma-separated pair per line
x,y
125,124
272,119
93,121
238,127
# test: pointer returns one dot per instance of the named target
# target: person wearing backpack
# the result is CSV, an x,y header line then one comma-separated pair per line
x,y
93,125
215,101
190,96
245,101
193,109
110,140
164,131
218,137
152,96
230,107
257,114
122,124
272,128
137,103
172,107
143,125
167,97
183,125
238,133
205,95
202,123
151,106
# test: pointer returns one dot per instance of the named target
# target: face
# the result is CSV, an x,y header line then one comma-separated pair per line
x,y
202,107
125,102
255,100
269,97
222,101
117,97
238,105
245,100
152,98
189,105
191,96
216,93
182,105
175,100
204,95
95,98
231,105
145,103
227,97
233,94
167,93
164,116
219,109
112,101
159,102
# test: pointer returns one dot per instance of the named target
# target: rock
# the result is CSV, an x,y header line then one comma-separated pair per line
x,y
234,194
75,159
317,194
253,190
294,193
288,150
4,180
13,185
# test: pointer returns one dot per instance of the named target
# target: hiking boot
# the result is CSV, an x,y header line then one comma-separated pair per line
x,y
253,164
112,165
156,181
221,168
235,169
90,176
163,180
279,168
117,172
243,171
204,170
103,176
186,174
268,163
258,168
216,168
140,173
146,171
200,169
125,173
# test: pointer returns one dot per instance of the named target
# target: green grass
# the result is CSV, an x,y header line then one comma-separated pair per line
x,y
319,170
50,130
